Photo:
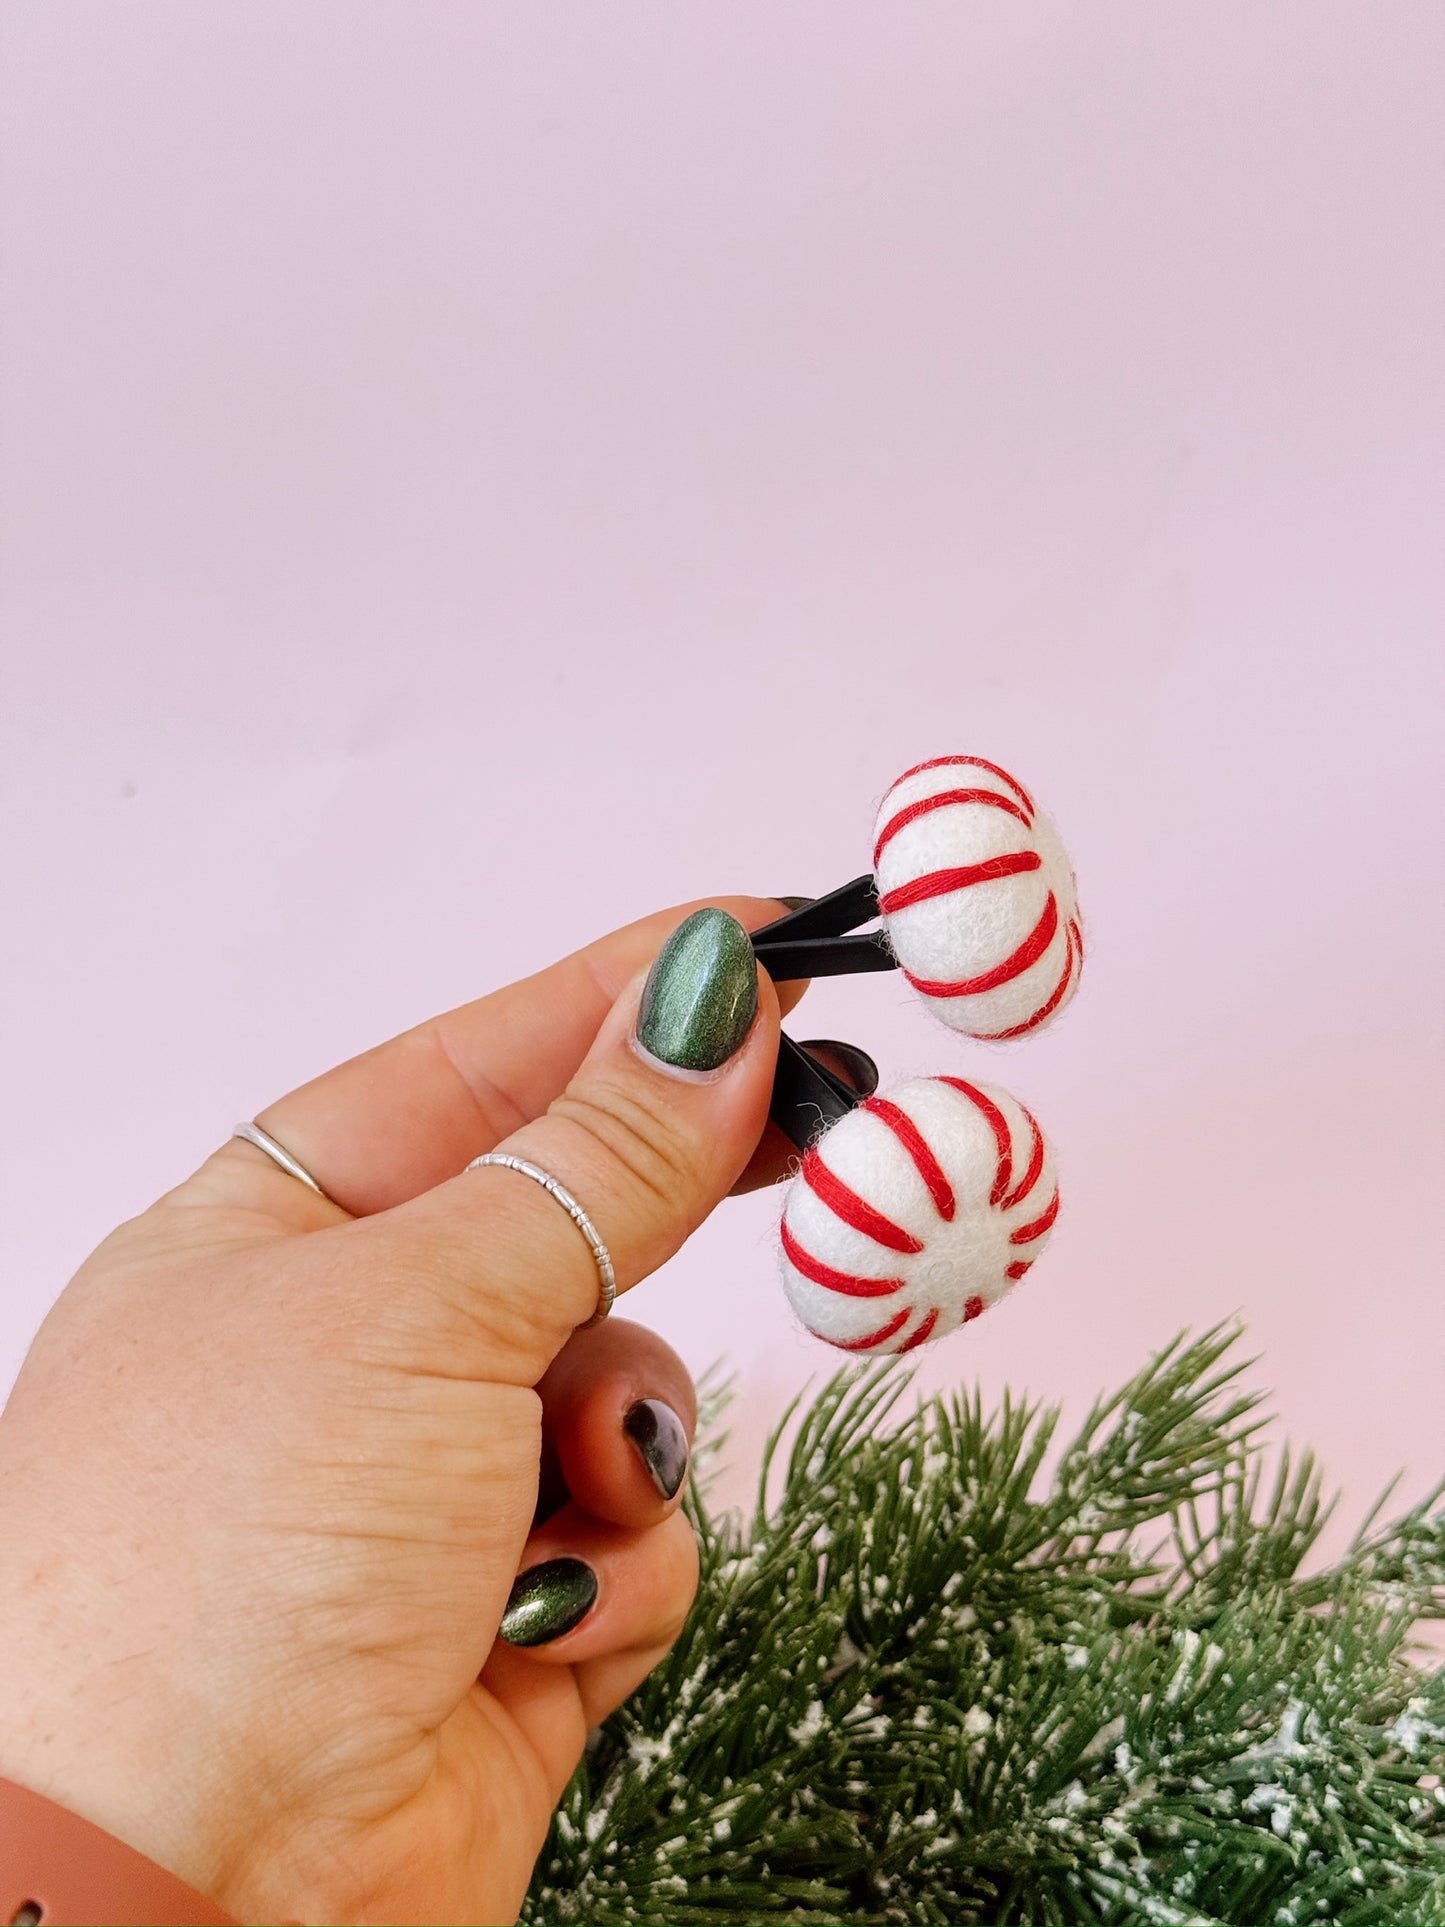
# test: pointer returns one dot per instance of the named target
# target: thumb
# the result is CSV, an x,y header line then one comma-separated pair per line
x,y
652,1132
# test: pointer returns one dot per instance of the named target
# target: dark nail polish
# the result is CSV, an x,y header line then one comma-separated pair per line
x,y
547,1601
701,996
854,1066
795,903
661,1441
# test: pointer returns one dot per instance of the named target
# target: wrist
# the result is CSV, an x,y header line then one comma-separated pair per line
x,y
64,1745
91,1717
56,1867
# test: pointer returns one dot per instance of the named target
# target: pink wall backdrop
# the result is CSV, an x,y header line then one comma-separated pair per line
x,y
473,474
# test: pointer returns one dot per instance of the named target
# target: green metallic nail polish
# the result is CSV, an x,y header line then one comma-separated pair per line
x,y
701,996
547,1601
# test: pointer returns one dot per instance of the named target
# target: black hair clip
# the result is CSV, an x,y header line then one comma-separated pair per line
x,y
815,941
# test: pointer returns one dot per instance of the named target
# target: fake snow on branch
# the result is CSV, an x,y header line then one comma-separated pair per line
x,y
923,1684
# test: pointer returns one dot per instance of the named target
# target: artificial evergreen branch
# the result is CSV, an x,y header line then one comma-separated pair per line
x,y
925,1684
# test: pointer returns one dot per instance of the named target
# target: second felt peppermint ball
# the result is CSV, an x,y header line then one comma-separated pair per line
x,y
977,897
915,1213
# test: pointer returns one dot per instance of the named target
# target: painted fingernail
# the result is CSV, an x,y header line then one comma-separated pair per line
x,y
701,995
794,903
854,1066
661,1441
547,1601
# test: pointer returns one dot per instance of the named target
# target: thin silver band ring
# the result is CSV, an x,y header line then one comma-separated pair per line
x,y
252,1133
606,1276
278,1154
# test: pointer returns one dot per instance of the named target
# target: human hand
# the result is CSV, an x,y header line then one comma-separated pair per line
x,y
272,1466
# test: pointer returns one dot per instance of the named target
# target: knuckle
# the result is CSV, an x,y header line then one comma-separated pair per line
x,y
640,1136
431,1313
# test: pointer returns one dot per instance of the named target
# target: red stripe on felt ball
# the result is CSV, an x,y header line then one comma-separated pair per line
x,y
872,1339
1026,1233
1019,1267
1001,1137
916,1145
918,1337
1044,1010
1036,1165
972,1309
925,805
1029,951
942,883
840,1281
970,762
853,1210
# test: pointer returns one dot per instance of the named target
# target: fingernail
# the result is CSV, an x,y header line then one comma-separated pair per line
x,y
661,1441
701,995
794,903
854,1066
547,1601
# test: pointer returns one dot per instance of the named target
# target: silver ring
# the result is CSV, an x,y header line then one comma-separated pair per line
x,y
606,1276
278,1154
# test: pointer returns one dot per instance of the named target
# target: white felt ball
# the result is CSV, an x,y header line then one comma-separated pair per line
x,y
914,1213
977,897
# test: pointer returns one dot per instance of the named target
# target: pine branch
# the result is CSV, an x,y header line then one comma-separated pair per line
x,y
919,1688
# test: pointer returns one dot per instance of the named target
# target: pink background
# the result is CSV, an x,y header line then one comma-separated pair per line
x,y
473,474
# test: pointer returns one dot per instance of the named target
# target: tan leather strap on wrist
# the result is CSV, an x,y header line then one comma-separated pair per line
x,y
62,1871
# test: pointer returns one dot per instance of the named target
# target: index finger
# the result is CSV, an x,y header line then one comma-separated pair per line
x,y
408,1114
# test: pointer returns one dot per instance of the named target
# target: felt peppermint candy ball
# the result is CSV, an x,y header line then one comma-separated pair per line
x,y
978,897
916,1212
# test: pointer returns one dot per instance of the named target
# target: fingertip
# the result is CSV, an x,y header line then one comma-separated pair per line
x,y
619,1412
589,1588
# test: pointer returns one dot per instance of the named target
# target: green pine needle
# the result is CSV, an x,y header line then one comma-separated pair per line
x,y
927,1685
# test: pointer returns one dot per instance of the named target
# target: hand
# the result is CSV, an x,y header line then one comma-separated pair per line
x,y
272,1466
